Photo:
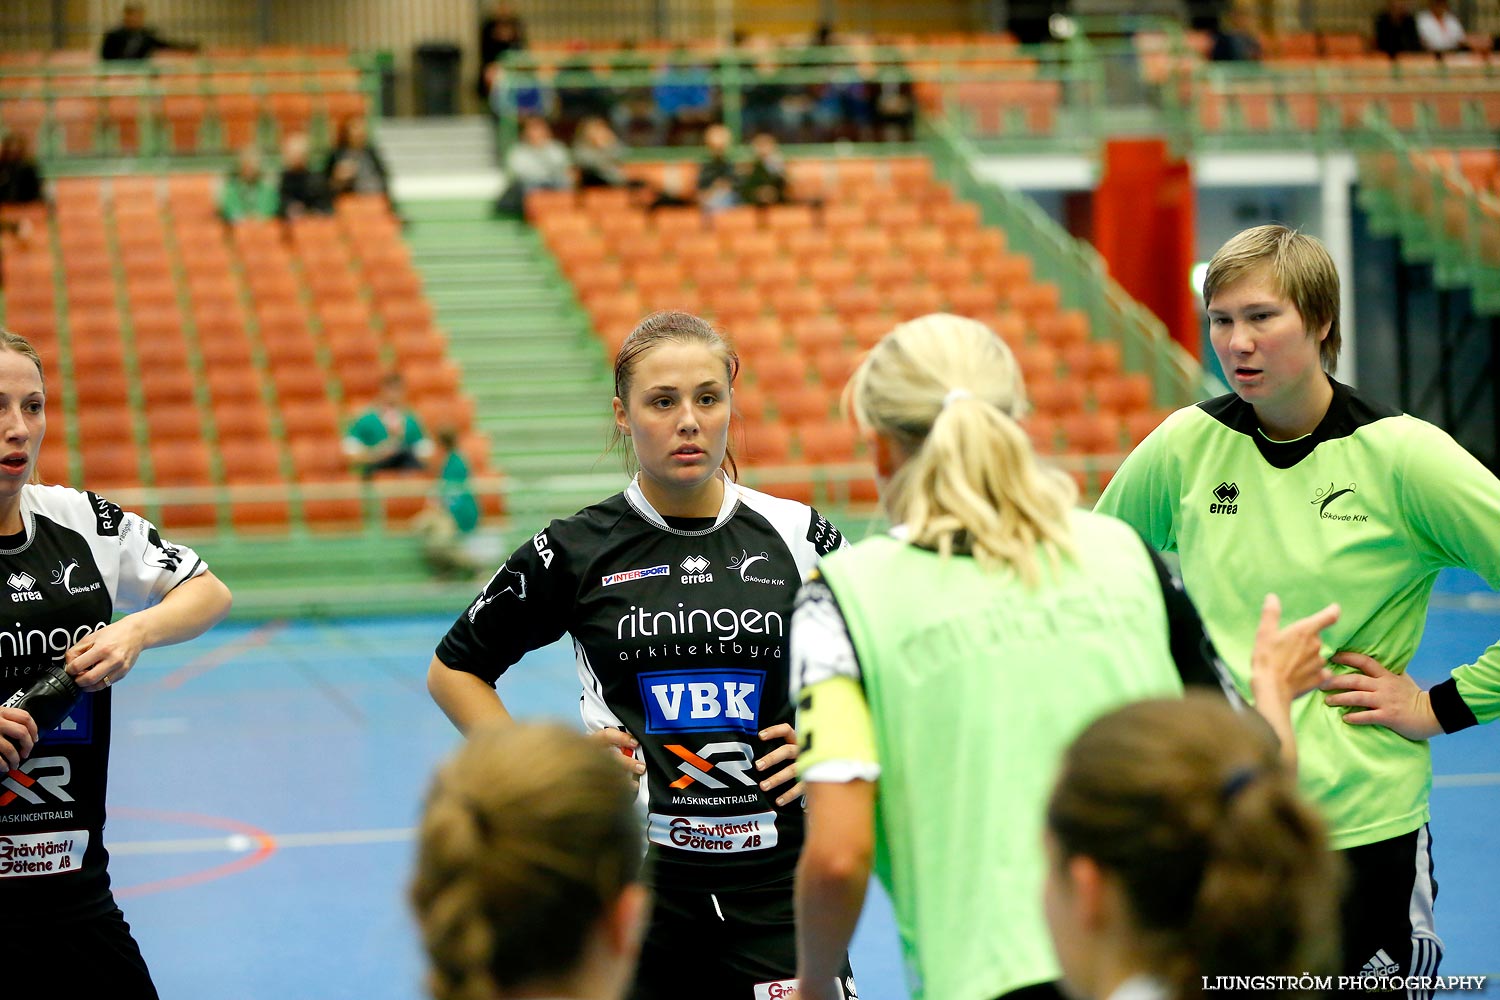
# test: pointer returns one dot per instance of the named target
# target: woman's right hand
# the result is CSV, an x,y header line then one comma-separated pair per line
x,y
1289,661
625,745
17,736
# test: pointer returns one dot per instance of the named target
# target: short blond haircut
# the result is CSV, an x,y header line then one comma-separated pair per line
x,y
1301,270
949,392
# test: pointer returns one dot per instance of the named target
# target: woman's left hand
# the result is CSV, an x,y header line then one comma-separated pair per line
x,y
781,755
100,659
1388,699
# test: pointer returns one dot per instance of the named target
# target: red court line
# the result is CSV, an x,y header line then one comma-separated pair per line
x,y
201,665
266,847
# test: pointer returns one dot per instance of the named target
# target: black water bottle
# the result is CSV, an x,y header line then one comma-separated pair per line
x,y
49,698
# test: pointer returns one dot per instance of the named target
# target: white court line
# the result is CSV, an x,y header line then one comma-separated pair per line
x,y
238,843
1479,600
1464,780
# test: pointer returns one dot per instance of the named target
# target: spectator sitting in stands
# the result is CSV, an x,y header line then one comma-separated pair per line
x,y
895,101
1439,29
248,192
20,178
500,33
302,191
387,435
537,163
133,40
356,167
1396,30
765,183
1236,40
599,155
718,181
448,521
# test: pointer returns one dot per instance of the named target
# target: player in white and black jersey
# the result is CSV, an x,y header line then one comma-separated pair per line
x,y
69,562
678,595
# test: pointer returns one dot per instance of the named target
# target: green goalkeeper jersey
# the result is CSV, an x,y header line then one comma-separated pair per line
x,y
1364,511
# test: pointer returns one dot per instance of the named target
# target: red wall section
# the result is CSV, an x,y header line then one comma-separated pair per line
x,y
1143,227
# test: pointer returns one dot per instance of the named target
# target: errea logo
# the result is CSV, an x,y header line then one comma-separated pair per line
x,y
1227,494
22,584
695,570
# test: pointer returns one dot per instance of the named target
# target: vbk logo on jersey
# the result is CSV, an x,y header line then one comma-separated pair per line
x,y
636,574
685,701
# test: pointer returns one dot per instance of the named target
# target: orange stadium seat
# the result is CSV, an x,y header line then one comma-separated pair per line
x,y
1091,433
168,351
778,371
174,422
766,444
167,386
749,405
181,462
800,403
1057,397
1122,393
110,465
832,441
248,461
103,386
299,383
310,418
453,412
755,337
242,419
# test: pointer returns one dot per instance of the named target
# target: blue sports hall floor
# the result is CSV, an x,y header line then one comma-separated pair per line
x,y
266,779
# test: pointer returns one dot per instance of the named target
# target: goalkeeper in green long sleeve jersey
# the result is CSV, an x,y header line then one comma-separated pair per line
x,y
1298,484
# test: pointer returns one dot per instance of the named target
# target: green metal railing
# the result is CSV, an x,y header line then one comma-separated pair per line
x,y
1411,193
109,117
1028,95
1321,105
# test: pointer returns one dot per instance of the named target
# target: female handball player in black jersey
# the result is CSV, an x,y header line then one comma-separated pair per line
x,y
678,594
71,560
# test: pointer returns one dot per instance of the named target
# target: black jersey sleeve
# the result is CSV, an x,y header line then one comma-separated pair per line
x,y
526,605
1198,663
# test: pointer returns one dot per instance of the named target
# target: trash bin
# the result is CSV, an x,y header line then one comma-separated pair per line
x,y
437,78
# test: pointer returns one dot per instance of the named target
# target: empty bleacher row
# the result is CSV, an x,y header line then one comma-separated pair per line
x,y
802,289
176,104
184,354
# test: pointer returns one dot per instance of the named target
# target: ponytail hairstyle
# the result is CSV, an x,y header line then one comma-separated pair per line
x,y
658,328
515,867
20,345
1225,869
948,391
